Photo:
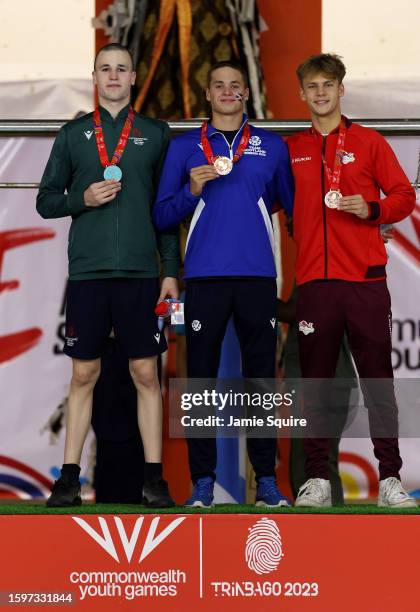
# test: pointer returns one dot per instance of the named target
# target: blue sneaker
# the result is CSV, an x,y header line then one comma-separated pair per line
x,y
268,495
202,495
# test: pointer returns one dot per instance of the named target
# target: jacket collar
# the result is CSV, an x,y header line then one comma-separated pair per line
x,y
347,124
106,115
212,130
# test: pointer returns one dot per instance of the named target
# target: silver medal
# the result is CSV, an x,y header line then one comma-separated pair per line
x,y
112,173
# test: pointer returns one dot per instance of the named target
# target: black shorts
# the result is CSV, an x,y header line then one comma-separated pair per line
x,y
125,305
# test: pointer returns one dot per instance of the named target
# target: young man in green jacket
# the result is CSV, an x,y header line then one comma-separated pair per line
x,y
103,172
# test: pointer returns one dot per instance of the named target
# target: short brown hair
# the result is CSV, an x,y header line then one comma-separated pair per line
x,y
228,64
326,63
114,47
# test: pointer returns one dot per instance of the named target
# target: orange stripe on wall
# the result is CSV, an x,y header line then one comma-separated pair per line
x,y
294,33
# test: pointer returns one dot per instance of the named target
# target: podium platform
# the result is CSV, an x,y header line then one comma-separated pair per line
x,y
96,558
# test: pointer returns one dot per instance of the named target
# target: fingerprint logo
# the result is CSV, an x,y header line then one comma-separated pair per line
x,y
263,551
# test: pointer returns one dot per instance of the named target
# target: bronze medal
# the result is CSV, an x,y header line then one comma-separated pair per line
x,y
332,198
223,165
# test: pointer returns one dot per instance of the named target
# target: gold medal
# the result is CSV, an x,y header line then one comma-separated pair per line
x,y
223,165
332,198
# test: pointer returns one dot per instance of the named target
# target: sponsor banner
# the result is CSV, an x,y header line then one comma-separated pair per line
x,y
34,375
184,562
403,272
358,466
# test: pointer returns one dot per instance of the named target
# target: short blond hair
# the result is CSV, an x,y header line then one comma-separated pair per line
x,y
325,63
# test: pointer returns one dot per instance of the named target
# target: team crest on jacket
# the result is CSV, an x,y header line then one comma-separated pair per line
x,y
346,158
196,325
254,147
138,140
306,328
255,141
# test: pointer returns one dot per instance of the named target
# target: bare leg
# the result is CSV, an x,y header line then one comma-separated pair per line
x,y
85,375
149,406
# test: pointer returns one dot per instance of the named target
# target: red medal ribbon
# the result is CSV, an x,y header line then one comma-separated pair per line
x,y
334,175
100,143
208,151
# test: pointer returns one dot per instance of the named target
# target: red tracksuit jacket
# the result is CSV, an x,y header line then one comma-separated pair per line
x,y
332,244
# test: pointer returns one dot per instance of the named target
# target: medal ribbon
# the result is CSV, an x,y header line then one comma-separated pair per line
x,y
208,151
100,143
334,175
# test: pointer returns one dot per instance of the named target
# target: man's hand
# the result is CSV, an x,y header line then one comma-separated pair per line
x,y
169,288
199,177
101,193
387,233
355,205
289,226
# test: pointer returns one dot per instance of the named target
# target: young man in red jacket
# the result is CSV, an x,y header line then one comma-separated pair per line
x,y
340,169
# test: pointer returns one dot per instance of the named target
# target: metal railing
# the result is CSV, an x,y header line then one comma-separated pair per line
x,y
38,128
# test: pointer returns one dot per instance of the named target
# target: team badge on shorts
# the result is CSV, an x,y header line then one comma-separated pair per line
x,y
157,338
306,328
71,336
273,323
196,325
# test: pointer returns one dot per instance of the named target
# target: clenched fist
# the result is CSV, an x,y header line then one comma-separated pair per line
x,y
101,193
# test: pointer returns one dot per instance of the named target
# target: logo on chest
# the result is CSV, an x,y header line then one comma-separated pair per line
x,y
298,160
254,147
138,140
346,158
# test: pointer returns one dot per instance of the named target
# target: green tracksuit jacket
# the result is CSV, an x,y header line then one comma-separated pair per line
x,y
117,238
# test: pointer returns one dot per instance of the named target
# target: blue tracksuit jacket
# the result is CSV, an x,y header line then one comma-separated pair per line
x,y
231,232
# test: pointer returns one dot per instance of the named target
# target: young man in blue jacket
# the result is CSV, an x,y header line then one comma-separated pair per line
x,y
228,175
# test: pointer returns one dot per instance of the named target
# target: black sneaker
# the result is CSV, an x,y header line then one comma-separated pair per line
x,y
64,493
156,494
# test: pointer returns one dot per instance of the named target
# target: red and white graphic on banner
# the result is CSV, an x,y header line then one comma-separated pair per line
x,y
179,562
